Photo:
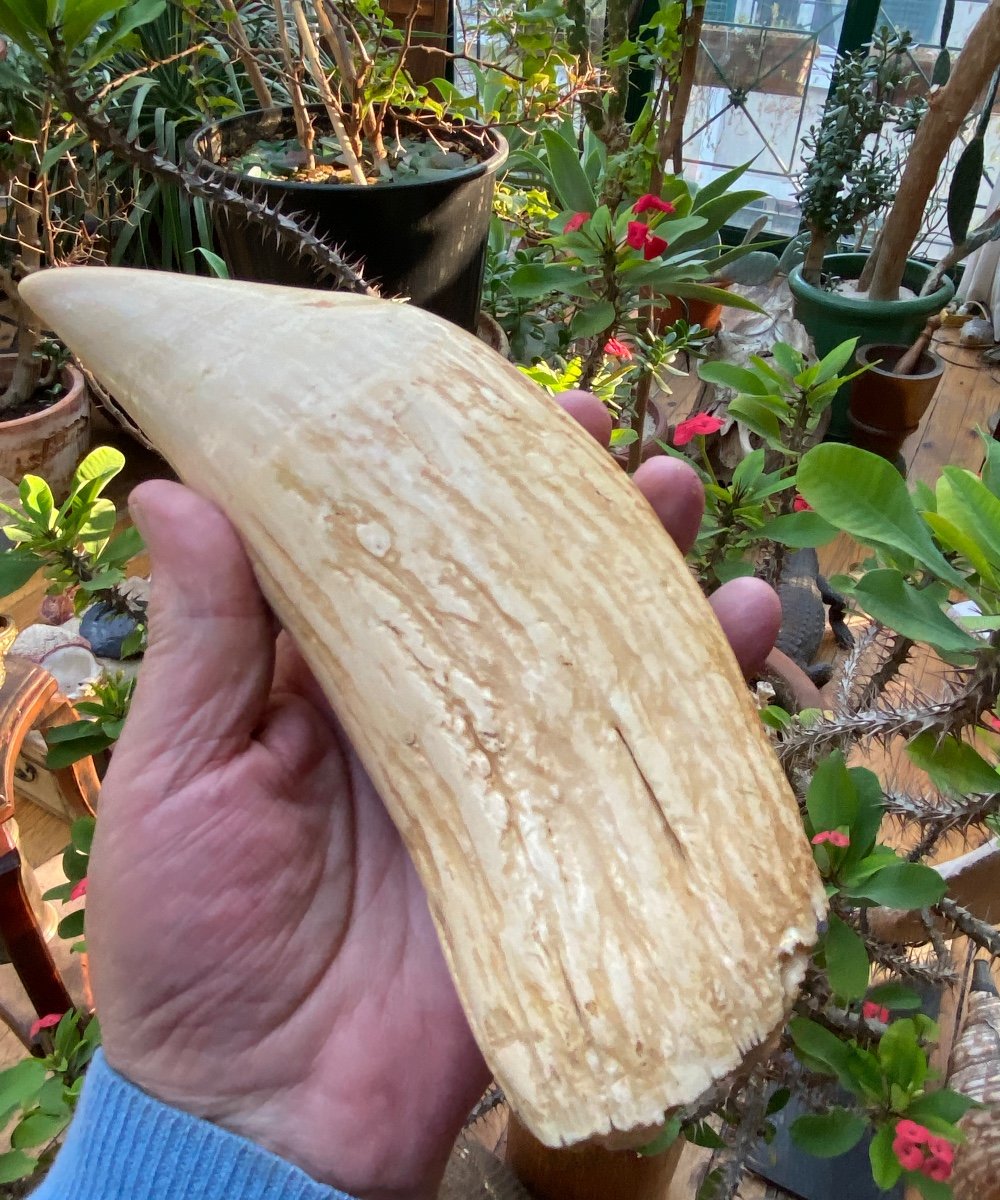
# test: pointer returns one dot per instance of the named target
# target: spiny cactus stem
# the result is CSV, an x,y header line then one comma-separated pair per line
x,y
287,230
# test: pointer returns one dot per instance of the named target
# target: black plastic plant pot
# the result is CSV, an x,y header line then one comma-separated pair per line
x,y
420,239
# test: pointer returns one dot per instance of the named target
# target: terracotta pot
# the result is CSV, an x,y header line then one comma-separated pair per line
x,y
49,443
588,1172
695,312
657,428
886,408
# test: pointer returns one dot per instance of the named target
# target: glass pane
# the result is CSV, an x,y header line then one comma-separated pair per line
x,y
762,80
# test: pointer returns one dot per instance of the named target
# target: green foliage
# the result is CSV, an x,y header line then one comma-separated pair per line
x,y
40,1094
104,717
73,544
852,169
782,399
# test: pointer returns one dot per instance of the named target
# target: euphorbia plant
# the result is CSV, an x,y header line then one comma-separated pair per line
x,y
74,543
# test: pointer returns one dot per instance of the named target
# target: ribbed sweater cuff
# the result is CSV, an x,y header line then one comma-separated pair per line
x,y
124,1144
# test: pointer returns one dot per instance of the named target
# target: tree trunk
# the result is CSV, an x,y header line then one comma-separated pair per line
x,y
674,150
948,109
812,267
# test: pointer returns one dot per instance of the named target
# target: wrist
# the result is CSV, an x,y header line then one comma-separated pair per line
x,y
125,1145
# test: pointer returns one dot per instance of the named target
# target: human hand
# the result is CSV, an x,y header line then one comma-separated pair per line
x,y
261,949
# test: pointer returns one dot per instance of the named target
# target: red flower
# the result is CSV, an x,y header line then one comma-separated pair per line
x,y
618,349
654,202
799,504
654,246
79,890
911,1132
44,1023
938,1147
575,222
638,232
937,1169
696,427
910,1157
991,721
833,836
875,1012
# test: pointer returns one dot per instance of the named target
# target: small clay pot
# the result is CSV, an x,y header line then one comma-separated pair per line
x,y
695,312
661,427
8,636
49,443
886,408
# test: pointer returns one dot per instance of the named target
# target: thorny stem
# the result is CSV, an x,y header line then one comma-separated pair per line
x,y
113,597
286,229
986,936
731,1159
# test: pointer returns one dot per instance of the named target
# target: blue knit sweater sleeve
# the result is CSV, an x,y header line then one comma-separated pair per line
x,y
124,1145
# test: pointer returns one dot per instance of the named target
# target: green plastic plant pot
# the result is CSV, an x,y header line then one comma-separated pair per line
x,y
831,318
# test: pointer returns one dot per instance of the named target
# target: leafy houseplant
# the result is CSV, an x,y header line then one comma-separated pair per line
x,y
375,162
879,314
74,543
41,392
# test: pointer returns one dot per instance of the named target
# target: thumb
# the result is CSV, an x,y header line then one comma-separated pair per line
x,y
206,675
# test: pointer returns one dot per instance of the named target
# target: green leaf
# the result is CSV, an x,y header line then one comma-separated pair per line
x,y
865,496
215,261
779,1099
824,1049
788,359
951,537
69,732
540,279
38,1129
71,926
51,1098
871,809
740,379
901,1057
885,595
901,885
17,567
971,507
828,1135
82,833
757,417
15,1164
932,1190
836,360
722,183
832,798
702,1134
20,1084
714,295
572,186
847,965
896,996
944,1104
964,189
953,765
593,319
83,16
942,70
56,152
664,1139
800,529
67,753
748,471
885,1165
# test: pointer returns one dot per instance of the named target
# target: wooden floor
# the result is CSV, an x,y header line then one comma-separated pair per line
x,y
968,397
